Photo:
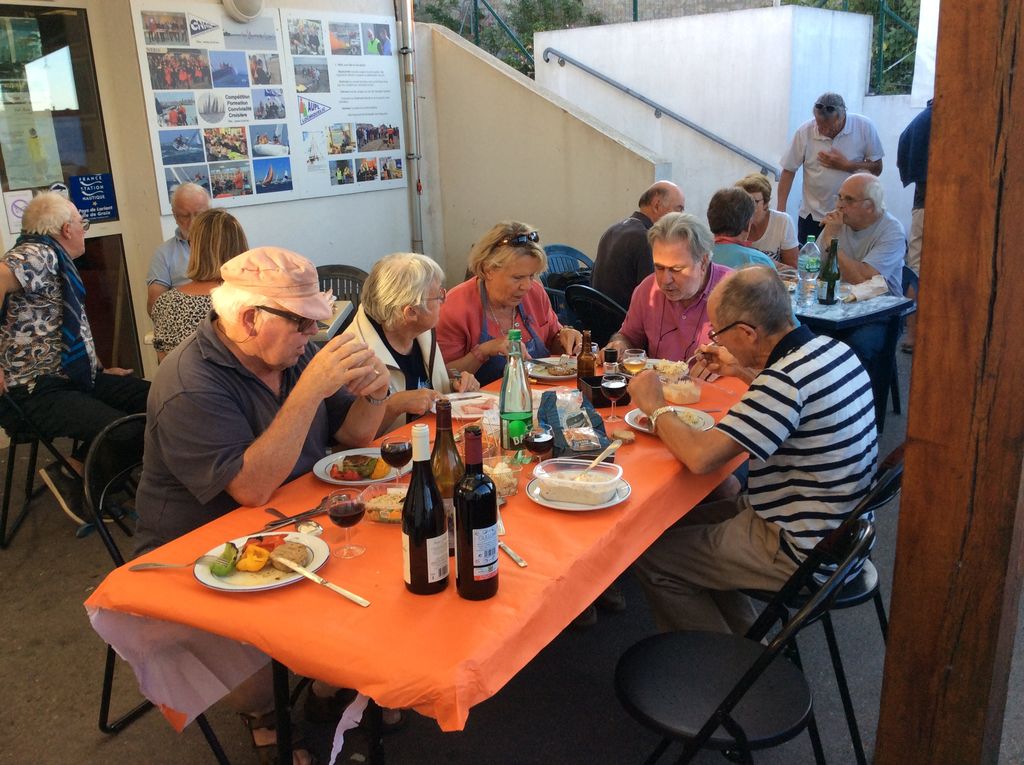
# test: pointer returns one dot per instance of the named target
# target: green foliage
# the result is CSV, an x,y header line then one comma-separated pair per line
x,y
892,46
525,17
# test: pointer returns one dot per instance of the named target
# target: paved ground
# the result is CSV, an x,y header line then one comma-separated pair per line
x,y
559,709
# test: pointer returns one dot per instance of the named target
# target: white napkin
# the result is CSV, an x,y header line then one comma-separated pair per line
x,y
873,287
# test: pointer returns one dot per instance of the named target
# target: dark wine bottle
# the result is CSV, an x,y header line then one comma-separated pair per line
x,y
424,529
828,276
476,526
446,465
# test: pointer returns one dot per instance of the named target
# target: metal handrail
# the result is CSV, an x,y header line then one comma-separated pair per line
x,y
660,110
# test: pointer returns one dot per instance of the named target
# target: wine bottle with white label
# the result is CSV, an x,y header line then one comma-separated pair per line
x,y
424,527
476,526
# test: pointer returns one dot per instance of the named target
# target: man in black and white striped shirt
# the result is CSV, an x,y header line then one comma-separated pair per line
x,y
808,424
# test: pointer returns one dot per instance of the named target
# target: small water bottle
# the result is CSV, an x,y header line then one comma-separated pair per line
x,y
807,265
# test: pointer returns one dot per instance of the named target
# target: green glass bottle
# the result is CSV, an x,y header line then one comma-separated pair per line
x,y
515,404
828,276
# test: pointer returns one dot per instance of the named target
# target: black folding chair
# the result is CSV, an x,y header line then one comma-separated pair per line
x,y
595,311
21,431
346,282
112,469
729,692
861,589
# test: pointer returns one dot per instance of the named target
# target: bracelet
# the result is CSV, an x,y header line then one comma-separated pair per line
x,y
378,401
479,354
656,414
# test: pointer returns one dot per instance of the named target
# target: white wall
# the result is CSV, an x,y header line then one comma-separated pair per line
x,y
750,76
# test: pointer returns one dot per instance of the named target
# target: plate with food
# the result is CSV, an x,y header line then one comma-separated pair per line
x,y
554,368
695,418
534,492
474,408
246,564
356,467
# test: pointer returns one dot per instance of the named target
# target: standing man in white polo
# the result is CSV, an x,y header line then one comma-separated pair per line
x,y
830,147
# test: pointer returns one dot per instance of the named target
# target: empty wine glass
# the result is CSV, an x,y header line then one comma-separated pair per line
x,y
634,360
345,509
613,387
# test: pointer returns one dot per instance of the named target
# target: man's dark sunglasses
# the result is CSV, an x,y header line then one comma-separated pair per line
x,y
303,324
515,241
827,109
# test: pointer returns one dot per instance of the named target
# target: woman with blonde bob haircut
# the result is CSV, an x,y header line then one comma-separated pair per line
x,y
214,237
503,293
399,307
772,232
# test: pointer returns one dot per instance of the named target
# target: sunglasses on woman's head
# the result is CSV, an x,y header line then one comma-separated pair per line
x,y
533,236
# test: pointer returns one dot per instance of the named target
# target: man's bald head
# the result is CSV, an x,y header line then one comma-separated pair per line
x,y
755,295
187,201
660,199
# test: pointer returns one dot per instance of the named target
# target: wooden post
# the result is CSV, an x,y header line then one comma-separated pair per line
x,y
961,529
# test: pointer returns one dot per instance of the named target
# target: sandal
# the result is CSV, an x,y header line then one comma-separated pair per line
x,y
267,750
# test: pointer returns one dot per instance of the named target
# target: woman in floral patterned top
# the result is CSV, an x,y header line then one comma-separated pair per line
x,y
214,238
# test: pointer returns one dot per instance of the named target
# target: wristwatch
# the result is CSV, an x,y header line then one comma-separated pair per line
x,y
378,401
657,413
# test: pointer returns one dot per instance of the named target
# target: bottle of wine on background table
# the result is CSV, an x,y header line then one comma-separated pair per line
x,y
424,528
828,276
476,526
516,403
446,464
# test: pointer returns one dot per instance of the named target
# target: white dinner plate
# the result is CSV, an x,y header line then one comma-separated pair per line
x,y
322,468
622,492
695,418
269,578
543,374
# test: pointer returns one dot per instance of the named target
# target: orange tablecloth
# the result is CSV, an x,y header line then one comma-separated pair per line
x,y
439,654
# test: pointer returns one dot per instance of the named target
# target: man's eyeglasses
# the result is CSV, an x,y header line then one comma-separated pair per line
x,y
85,223
440,297
301,322
827,109
521,239
715,334
848,200
671,269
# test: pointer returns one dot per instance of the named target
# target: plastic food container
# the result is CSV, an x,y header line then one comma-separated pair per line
x,y
384,501
556,479
505,475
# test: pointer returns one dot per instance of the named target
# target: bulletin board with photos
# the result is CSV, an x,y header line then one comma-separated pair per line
x,y
294,104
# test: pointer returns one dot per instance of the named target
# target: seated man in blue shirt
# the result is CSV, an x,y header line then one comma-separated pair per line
x,y
170,261
730,212
808,424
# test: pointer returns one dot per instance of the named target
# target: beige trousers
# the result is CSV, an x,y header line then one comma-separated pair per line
x,y
691,574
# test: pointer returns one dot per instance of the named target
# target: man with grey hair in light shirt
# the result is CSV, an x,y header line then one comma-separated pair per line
x,y
170,261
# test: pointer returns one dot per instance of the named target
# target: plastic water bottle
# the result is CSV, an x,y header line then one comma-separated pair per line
x,y
807,266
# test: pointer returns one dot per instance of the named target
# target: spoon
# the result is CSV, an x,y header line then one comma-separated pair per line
x,y
608,450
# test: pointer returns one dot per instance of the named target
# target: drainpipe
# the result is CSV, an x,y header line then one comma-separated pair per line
x,y
411,114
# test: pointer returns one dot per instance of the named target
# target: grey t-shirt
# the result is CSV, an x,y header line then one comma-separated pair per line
x,y
204,410
882,245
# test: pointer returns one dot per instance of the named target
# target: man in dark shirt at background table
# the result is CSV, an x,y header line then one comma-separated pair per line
x,y
624,255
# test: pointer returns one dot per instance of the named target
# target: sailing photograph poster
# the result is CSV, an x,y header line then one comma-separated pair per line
x,y
262,112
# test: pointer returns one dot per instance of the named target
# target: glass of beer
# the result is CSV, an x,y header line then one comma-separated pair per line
x,y
634,360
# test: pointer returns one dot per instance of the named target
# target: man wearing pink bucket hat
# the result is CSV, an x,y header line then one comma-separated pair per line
x,y
247,403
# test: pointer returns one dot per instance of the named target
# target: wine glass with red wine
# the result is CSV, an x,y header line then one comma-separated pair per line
x,y
396,451
345,509
613,387
540,440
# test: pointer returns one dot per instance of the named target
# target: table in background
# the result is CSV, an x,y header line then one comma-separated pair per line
x,y
836,320
439,655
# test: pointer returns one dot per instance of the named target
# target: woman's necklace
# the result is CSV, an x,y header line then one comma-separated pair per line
x,y
513,321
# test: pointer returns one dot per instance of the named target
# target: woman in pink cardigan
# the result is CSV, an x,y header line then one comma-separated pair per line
x,y
503,293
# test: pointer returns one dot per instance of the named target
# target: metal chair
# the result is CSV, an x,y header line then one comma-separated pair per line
x,y
112,468
911,283
595,311
860,589
730,692
21,431
346,282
